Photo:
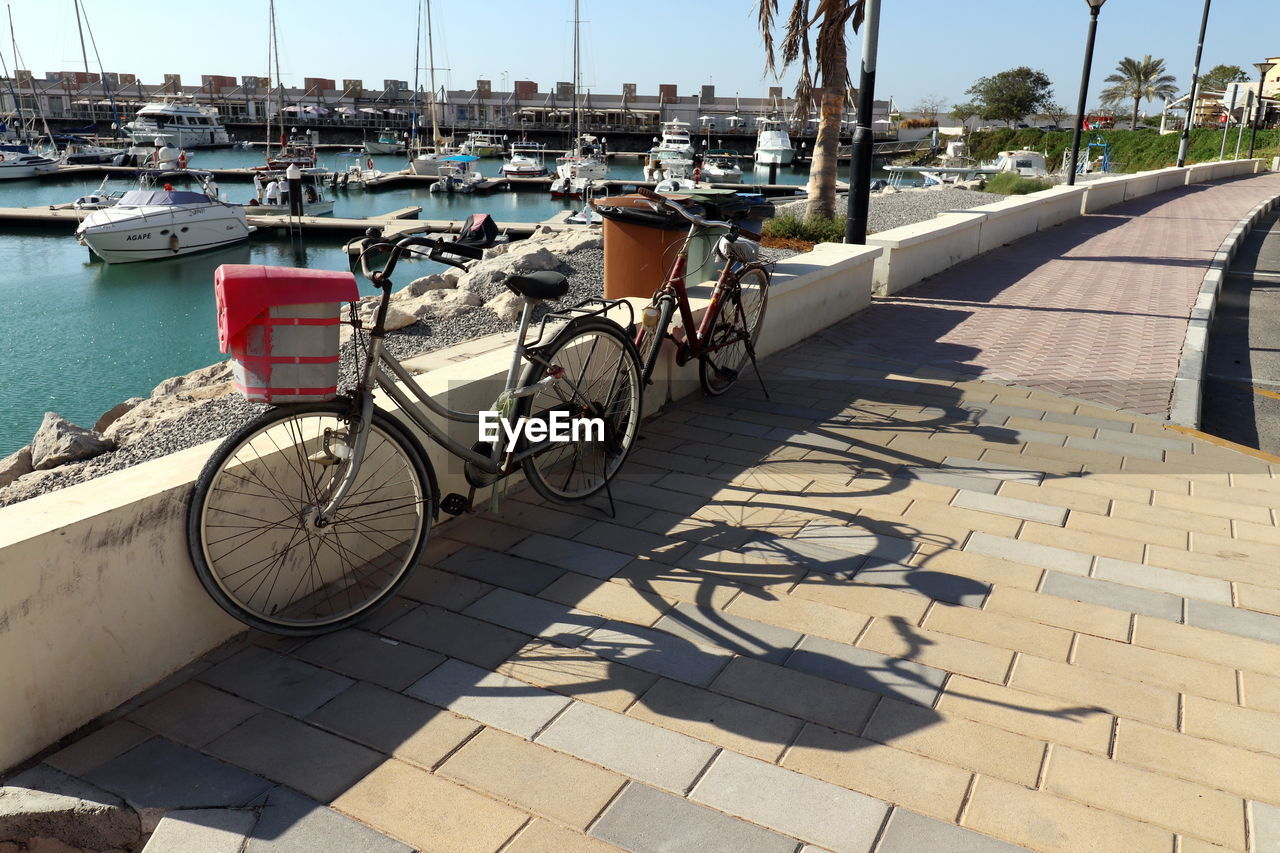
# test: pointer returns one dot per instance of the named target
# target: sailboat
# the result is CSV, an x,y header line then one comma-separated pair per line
x,y
299,149
427,159
585,162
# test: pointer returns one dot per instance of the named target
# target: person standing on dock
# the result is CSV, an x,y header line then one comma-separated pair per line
x,y
257,185
273,191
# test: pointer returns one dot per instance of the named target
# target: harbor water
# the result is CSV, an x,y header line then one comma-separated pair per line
x,y
78,336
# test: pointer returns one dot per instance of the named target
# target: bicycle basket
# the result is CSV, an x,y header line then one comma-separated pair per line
x,y
280,326
741,250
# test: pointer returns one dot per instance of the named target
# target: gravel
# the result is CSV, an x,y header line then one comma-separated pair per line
x,y
216,418
908,206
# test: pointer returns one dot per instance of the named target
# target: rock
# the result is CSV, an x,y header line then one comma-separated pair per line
x,y
46,805
59,441
506,305
477,281
202,378
889,190
536,260
398,319
50,845
15,465
114,413
9,847
149,414
419,286
30,485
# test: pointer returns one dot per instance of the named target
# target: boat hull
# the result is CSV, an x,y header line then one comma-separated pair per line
x,y
383,148
11,173
781,156
123,239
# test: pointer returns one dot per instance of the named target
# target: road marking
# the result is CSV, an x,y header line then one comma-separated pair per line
x,y
1222,442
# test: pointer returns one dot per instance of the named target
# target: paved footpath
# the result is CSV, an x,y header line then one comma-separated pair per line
x,y
892,608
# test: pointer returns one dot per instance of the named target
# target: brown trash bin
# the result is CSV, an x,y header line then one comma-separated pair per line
x,y
640,245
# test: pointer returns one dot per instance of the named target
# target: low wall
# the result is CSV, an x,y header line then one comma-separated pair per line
x,y
1006,221
914,252
98,599
1056,205
1102,193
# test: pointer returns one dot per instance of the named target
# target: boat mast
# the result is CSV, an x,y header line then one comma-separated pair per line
x,y
106,87
17,62
436,138
417,67
273,52
577,83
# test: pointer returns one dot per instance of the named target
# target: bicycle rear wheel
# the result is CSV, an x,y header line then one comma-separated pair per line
x,y
252,529
601,380
726,354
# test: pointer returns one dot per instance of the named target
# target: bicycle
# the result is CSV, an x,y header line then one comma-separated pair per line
x,y
725,339
312,515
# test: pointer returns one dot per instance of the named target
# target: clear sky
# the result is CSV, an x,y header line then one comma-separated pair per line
x,y
927,47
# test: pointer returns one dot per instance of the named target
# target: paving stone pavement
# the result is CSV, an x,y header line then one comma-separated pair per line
x,y
928,612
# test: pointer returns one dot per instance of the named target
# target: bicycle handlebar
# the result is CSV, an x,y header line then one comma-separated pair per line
x,y
437,251
734,230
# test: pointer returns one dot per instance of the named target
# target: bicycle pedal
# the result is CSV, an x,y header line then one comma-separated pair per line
x,y
455,504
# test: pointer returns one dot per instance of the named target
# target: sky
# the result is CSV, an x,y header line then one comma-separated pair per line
x,y
927,48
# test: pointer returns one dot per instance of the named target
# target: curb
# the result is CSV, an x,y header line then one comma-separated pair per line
x,y
1184,407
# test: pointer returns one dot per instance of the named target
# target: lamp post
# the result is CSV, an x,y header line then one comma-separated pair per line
x,y
855,226
1185,140
1263,68
1095,6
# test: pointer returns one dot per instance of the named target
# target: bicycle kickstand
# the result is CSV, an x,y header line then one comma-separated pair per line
x,y
751,353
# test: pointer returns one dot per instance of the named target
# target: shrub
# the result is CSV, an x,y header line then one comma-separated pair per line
x,y
1009,183
810,229
918,122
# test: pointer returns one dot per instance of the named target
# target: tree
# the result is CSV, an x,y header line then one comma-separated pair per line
x,y
1219,77
1055,113
963,112
1012,94
929,106
1139,80
816,25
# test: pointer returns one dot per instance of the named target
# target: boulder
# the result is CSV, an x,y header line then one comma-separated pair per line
x,y
482,280
205,377
151,413
30,485
15,465
114,413
507,306
48,804
59,441
419,286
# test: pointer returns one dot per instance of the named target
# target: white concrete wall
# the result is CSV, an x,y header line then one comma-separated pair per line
x,y
1141,184
1103,193
98,599
914,252
1167,179
1056,205
1006,221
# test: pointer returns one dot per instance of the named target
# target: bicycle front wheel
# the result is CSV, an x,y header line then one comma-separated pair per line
x,y
736,331
255,538
598,396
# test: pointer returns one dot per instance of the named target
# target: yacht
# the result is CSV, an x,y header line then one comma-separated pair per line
x,y
299,150
721,167
672,173
456,174
479,144
14,165
386,143
314,201
675,138
773,145
185,125
149,224
1030,164
575,170
526,161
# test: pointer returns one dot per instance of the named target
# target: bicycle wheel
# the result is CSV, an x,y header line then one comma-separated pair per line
x,y
741,315
251,524
650,340
601,373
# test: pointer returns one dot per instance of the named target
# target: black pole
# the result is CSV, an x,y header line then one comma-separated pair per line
x,y
1084,93
1185,140
855,226
1263,68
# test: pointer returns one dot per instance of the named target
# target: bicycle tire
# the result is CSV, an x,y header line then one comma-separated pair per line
x,y
649,343
741,315
257,495
610,377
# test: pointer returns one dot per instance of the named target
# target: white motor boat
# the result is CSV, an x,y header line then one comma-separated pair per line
x,y
99,198
314,201
1021,162
151,224
773,145
386,143
527,160
575,170
457,174
14,165
675,139
480,144
183,124
672,173
721,167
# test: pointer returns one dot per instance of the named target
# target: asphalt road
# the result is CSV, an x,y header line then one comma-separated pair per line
x,y
1241,394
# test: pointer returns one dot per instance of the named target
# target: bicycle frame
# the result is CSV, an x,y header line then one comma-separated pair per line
x,y
695,344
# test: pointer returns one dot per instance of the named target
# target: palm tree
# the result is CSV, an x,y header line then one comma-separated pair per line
x,y
1140,80
830,83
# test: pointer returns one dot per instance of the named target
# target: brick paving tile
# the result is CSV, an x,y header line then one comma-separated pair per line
x,y
908,832
645,820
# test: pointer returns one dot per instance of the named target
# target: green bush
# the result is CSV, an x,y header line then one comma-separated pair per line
x,y
1008,183
811,229
918,122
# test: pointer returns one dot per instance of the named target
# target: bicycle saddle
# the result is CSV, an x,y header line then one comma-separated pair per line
x,y
544,284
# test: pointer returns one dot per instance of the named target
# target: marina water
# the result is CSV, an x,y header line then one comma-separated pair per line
x,y
78,336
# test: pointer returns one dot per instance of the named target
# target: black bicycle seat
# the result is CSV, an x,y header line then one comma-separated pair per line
x,y
544,284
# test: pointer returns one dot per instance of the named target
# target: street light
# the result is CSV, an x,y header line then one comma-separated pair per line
x,y
1263,68
1095,6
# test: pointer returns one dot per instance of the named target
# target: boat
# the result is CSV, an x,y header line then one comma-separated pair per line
x,y
456,174
99,198
675,138
673,174
77,151
151,224
386,143
588,214
1030,164
298,150
426,159
721,167
182,124
314,201
479,144
15,165
585,161
773,145
527,160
